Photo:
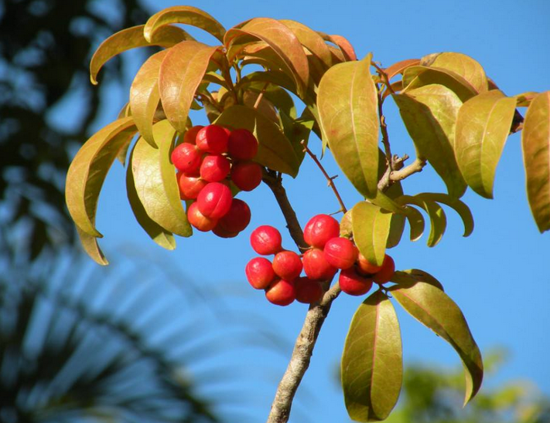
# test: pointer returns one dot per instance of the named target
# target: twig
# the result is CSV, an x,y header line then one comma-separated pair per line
x,y
400,172
260,96
329,179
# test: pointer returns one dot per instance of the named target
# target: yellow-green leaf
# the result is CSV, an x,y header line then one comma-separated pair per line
x,y
372,362
430,114
155,181
371,227
311,40
461,64
420,76
144,96
436,214
411,276
130,38
275,150
458,206
432,307
348,115
414,217
535,143
89,168
482,127
90,245
181,73
183,15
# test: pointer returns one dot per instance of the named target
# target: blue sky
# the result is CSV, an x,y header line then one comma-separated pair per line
x,y
498,276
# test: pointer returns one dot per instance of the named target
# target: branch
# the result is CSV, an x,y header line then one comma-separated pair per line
x,y
399,172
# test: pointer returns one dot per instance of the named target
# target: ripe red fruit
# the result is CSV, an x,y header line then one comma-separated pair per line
x,y
353,283
320,229
198,220
214,168
316,265
212,139
259,272
190,186
191,134
246,175
366,267
287,265
187,158
266,240
340,252
242,145
281,293
214,200
386,272
236,219
307,290
222,233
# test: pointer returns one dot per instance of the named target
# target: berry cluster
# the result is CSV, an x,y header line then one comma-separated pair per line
x,y
329,253
208,160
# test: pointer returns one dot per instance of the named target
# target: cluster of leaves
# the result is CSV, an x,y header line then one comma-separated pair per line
x,y
456,116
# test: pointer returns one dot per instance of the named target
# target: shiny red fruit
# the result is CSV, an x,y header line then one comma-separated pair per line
x,y
198,220
281,293
266,240
190,186
212,139
190,136
214,200
214,168
316,265
222,233
307,290
187,159
340,252
287,265
259,272
353,283
242,145
366,267
246,175
236,219
386,272
320,229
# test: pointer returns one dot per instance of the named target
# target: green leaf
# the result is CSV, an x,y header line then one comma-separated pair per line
x,y
348,115
372,363
535,143
311,40
144,96
458,206
430,114
371,227
461,64
181,73
157,233
410,276
89,168
482,127
420,76
90,245
280,39
275,150
130,38
155,181
433,308
437,216
183,15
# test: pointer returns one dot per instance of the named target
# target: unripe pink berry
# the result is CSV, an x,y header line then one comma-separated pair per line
x,y
214,200
259,272
246,175
243,145
320,229
353,283
212,139
340,252
266,240
281,292
198,220
316,265
214,168
187,158
287,265
307,290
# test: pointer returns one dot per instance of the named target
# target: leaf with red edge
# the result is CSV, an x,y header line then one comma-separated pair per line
x,y
181,73
183,15
400,67
344,45
535,142
311,40
130,38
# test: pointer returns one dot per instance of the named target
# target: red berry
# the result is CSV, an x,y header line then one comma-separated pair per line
x,y
236,219
198,220
308,291
287,265
259,272
243,145
190,186
386,272
187,158
340,252
353,283
214,168
316,265
266,240
214,200
191,134
366,267
222,233
246,175
212,139
281,293
320,229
